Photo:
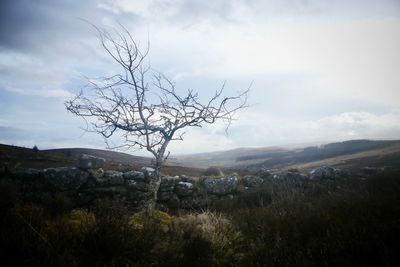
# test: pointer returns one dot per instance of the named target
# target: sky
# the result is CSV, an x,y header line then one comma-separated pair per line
x,y
321,71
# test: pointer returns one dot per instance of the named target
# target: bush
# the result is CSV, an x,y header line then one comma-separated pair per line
x,y
349,222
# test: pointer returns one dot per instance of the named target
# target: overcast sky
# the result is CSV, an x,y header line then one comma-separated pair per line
x,y
321,70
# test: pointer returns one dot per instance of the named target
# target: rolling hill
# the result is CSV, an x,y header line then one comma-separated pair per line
x,y
348,154
274,157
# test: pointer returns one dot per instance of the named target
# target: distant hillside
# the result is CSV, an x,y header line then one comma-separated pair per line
x,y
275,157
20,157
348,154
110,156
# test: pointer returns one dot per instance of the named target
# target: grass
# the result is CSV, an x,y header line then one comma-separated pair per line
x,y
345,222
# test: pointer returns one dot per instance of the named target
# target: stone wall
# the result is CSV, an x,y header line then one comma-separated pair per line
x,y
88,182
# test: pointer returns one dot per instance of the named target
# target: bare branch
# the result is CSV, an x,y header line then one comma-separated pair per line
x,y
143,105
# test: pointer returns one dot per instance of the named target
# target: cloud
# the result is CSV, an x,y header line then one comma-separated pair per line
x,y
266,130
322,70
9,134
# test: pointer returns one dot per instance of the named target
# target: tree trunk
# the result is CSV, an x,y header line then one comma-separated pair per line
x,y
154,187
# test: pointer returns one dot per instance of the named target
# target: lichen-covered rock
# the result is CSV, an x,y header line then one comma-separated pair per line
x,y
184,189
96,173
137,185
134,175
110,190
148,172
185,178
111,178
252,181
86,162
294,175
325,172
167,183
221,186
165,195
65,178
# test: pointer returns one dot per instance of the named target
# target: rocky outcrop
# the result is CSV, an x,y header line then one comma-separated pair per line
x,y
325,172
220,186
252,181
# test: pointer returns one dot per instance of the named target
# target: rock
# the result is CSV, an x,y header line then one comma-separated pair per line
x,y
137,185
222,186
148,172
96,173
252,181
167,184
65,178
165,195
294,175
110,191
111,178
185,178
325,172
184,189
90,162
134,175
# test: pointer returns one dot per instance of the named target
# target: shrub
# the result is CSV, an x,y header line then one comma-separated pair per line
x,y
209,238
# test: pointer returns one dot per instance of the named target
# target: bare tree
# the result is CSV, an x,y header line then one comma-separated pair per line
x,y
144,105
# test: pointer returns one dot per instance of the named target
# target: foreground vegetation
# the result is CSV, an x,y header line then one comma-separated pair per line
x,y
346,222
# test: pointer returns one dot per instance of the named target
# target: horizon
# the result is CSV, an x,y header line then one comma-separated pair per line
x,y
322,72
287,147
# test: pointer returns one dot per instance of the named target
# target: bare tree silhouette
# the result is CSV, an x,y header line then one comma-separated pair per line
x,y
144,105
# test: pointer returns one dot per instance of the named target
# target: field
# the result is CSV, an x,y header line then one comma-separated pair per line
x,y
346,222
352,220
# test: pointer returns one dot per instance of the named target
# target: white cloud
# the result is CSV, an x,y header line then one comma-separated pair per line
x,y
321,70
254,129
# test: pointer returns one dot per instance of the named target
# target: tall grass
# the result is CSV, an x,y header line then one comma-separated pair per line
x,y
345,222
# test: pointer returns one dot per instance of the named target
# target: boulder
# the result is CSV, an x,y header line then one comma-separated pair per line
x,y
325,172
134,175
90,162
65,178
185,178
221,186
184,189
252,181
294,175
167,184
110,191
148,172
96,173
137,185
165,195
111,178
